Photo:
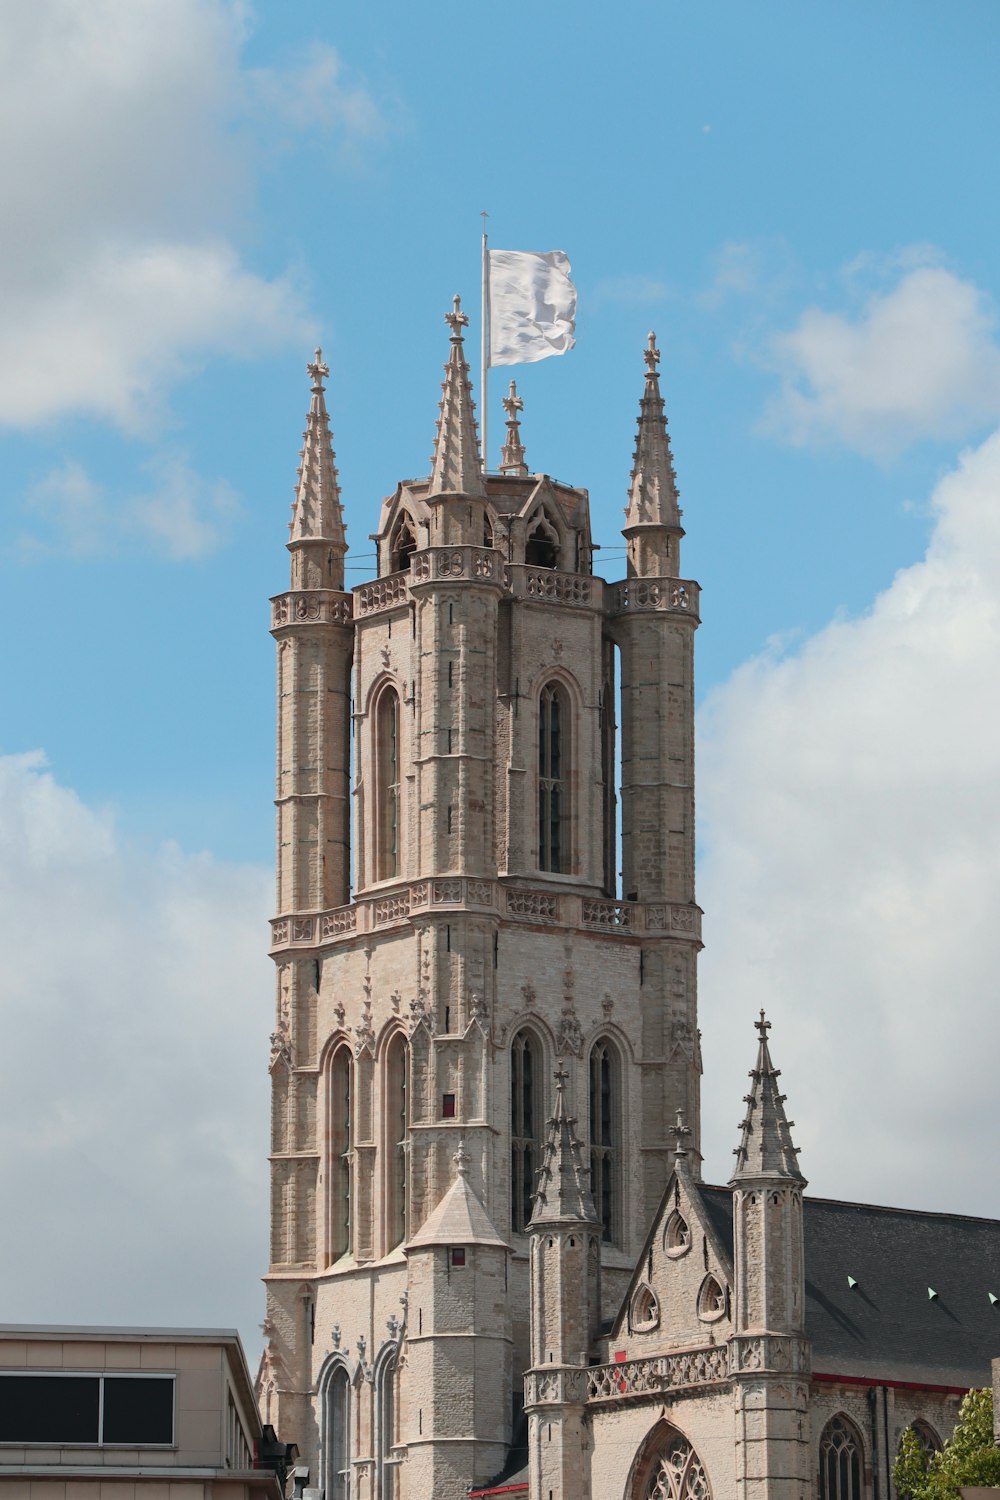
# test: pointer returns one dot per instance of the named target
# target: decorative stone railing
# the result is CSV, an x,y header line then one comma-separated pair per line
x,y
555,908
480,564
563,588
381,593
677,595
659,1374
562,1385
311,607
768,1352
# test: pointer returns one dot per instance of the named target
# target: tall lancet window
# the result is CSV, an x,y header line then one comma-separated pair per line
x,y
605,1136
396,1106
337,1434
340,1105
841,1461
525,1125
553,779
385,1418
387,760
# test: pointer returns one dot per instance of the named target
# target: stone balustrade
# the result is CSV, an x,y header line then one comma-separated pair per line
x,y
546,907
659,1374
311,607
679,596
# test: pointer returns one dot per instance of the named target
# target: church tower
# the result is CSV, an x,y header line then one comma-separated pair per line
x,y
451,930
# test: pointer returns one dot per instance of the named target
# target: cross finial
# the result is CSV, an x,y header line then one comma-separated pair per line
x,y
561,1076
318,370
681,1133
651,354
763,1027
457,319
512,402
462,1159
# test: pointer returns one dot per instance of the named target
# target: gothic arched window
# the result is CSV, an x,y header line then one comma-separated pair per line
x,y
402,545
553,779
928,1439
672,1472
542,547
340,1104
525,1126
337,1434
605,1137
397,1083
385,1419
841,1461
387,783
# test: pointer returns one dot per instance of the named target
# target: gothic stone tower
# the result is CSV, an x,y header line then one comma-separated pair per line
x,y
422,1014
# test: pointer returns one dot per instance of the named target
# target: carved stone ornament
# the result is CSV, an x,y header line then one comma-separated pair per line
x,y
418,1013
364,1033
281,1045
570,1037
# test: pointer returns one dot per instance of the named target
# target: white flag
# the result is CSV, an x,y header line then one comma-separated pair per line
x,y
532,305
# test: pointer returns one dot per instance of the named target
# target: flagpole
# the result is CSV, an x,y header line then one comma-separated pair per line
x,y
484,335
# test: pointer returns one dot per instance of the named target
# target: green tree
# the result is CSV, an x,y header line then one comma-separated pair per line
x,y
970,1457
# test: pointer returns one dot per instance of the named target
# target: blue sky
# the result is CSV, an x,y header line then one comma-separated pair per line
x,y
802,203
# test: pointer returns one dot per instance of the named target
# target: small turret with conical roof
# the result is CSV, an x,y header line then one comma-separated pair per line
x,y
652,517
565,1308
456,465
769,1351
318,538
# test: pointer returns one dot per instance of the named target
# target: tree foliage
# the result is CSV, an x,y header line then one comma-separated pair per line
x,y
970,1457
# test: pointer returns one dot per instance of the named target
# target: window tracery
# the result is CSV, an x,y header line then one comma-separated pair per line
x,y
711,1300
403,544
542,547
675,1472
677,1235
337,1422
841,1461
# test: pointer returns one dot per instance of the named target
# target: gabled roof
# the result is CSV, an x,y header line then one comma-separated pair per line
x,y
887,1325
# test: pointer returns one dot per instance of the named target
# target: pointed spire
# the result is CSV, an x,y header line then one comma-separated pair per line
x,y
563,1192
652,496
317,514
512,452
457,466
765,1148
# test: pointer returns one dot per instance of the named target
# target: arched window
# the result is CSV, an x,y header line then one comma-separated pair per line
x,y
487,531
644,1313
542,547
403,544
841,1461
677,1236
672,1472
385,1419
525,1126
387,785
553,779
711,1300
928,1439
397,1083
337,1434
341,1101
605,1114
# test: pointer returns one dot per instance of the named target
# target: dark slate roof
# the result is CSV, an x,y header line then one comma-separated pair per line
x,y
887,1327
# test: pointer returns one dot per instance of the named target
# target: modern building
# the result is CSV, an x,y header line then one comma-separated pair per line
x,y
485,1062
129,1414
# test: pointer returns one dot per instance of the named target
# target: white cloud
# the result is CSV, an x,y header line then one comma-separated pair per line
x,y
318,94
136,1003
631,288
851,875
180,516
920,361
126,172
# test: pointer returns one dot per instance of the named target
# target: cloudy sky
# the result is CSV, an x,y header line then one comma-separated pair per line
x,y
802,205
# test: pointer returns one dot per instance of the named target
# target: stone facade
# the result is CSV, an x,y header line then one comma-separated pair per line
x,y
483,1040
478,683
